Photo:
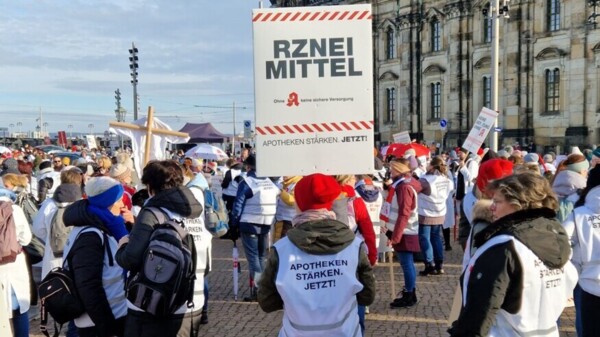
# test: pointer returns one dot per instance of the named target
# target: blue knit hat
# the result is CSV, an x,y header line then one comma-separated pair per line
x,y
103,191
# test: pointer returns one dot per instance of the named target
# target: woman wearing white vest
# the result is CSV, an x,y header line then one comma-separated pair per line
x,y
98,222
519,278
229,183
582,226
324,272
432,212
399,212
251,218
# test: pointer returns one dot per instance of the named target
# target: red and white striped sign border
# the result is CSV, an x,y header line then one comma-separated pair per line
x,y
314,127
300,16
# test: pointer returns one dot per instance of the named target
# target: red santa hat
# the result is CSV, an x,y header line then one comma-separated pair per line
x,y
316,191
493,169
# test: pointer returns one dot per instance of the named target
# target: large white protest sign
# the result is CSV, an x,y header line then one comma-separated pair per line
x,y
313,90
481,128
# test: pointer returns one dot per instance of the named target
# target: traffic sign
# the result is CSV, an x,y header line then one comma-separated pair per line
x,y
247,129
443,124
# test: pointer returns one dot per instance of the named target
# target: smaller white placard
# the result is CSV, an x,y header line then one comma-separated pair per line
x,y
402,137
481,128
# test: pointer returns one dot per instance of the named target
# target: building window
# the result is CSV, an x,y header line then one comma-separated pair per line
x,y
391,104
553,15
390,44
552,90
436,100
487,91
436,35
487,28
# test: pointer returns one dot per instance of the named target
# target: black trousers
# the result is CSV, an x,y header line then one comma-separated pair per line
x,y
91,331
590,306
140,324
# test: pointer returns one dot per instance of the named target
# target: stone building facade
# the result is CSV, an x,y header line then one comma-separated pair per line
x,y
433,61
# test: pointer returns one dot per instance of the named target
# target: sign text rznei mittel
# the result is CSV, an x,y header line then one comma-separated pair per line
x,y
301,58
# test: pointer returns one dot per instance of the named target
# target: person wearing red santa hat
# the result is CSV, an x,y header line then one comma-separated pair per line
x,y
317,246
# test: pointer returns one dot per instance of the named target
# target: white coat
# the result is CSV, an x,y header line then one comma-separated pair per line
x,y
15,275
41,228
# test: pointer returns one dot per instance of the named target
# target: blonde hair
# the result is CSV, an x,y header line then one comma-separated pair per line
x,y
104,162
525,190
528,167
343,179
17,180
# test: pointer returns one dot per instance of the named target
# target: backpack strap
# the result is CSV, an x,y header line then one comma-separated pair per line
x,y
105,245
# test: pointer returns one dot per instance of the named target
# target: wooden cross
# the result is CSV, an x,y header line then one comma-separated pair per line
x,y
149,132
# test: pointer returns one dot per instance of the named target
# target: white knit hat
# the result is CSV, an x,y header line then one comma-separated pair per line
x,y
103,191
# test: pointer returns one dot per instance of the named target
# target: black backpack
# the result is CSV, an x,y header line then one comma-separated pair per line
x,y
58,295
166,278
28,204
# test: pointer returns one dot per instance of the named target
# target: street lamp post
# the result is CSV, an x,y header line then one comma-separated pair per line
x,y
496,11
70,127
19,124
11,125
133,66
45,129
91,126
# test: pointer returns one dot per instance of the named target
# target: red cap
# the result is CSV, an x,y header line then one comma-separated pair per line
x,y
316,191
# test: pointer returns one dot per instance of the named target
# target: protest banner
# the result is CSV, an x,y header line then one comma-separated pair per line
x,y
313,90
482,126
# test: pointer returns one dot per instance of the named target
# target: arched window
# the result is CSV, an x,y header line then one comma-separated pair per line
x,y
436,100
553,15
436,35
391,104
390,43
553,90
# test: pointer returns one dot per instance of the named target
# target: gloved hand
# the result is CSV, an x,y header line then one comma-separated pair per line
x,y
233,233
389,233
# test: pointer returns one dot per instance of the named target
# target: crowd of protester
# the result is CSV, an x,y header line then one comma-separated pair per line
x,y
527,223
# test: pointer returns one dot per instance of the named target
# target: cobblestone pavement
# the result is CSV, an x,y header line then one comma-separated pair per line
x,y
428,318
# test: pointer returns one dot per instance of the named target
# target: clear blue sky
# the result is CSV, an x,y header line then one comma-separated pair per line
x,y
68,57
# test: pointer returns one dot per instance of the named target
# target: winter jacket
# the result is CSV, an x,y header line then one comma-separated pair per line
x,y
227,179
495,293
466,215
583,227
15,275
42,223
244,193
406,205
179,200
482,217
86,261
363,222
567,185
286,203
48,182
320,237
